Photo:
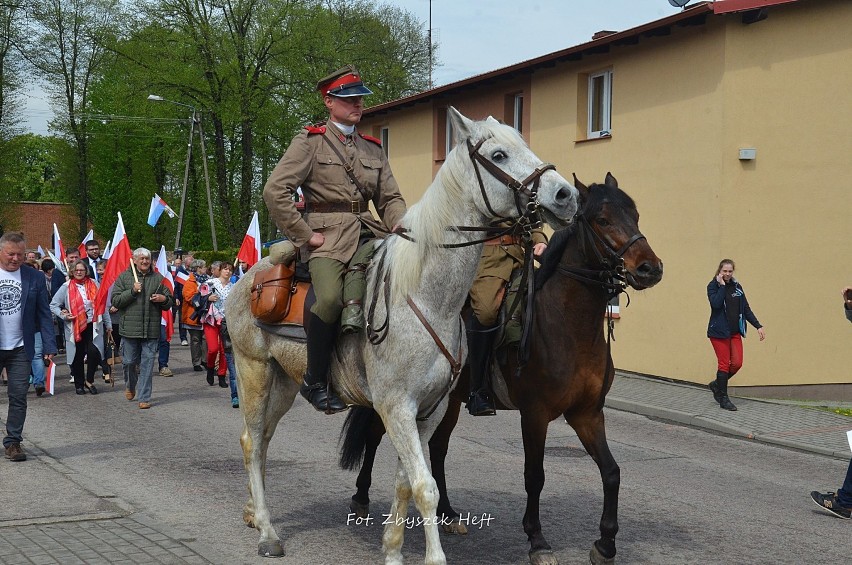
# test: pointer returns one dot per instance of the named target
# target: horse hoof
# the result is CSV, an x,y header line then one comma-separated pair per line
x,y
271,548
543,557
454,528
360,510
595,558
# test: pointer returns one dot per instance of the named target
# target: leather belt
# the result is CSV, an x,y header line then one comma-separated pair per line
x,y
351,207
504,240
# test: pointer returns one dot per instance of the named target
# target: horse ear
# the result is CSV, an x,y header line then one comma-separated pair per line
x,y
584,190
461,125
610,181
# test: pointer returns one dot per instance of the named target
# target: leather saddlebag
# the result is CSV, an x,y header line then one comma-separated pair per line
x,y
270,293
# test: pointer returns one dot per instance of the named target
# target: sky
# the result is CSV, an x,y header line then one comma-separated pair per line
x,y
478,36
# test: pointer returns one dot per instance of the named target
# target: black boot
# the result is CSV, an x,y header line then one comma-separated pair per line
x,y
211,375
714,386
721,389
321,340
480,341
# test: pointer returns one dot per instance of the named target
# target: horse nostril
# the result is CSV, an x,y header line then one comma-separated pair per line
x,y
563,195
644,269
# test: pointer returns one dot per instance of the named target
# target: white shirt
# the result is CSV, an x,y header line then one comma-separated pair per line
x,y
11,314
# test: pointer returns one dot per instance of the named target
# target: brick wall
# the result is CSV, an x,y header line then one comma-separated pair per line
x,y
36,219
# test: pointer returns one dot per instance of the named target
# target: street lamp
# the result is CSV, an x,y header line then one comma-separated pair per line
x,y
194,120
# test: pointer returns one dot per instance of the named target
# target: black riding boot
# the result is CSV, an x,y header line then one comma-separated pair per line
x,y
480,341
720,391
321,340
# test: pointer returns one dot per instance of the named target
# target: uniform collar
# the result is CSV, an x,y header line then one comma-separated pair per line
x,y
344,130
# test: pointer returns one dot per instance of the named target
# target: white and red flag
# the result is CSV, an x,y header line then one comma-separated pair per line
x,y
82,247
162,267
118,262
250,249
50,377
57,245
181,276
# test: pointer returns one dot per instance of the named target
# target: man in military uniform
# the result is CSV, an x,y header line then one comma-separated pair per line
x,y
500,256
335,205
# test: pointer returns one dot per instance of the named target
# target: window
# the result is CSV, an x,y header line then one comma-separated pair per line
x,y
518,114
600,104
384,135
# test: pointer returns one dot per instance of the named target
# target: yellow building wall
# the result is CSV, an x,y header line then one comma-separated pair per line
x,y
683,105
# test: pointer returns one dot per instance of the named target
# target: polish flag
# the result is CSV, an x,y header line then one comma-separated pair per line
x,y
250,249
82,247
41,252
158,206
49,377
57,245
181,277
162,267
106,251
118,262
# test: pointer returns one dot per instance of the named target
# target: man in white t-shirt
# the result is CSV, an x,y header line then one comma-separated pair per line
x,y
24,310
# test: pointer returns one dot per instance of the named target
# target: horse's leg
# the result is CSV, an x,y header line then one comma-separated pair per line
x,y
438,446
360,503
265,396
592,433
534,430
413,479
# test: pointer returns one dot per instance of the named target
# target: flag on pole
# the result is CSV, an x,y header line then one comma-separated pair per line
x,y
49,377
107,250
250,249
119,261
162,267
82,247
57,263
158,206
41,252
57,245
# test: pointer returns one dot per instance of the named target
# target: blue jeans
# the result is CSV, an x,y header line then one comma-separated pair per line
x,y
38,362
138,351
165,348
232,374
844,495
18,372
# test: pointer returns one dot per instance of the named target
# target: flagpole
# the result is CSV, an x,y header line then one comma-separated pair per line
x,y
185,179
133,268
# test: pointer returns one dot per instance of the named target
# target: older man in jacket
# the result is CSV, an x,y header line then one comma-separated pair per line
x,y
141,297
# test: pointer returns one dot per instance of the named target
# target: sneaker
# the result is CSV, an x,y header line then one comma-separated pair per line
x,y
144,405
235,402
16,453
184,343
828,502
166,372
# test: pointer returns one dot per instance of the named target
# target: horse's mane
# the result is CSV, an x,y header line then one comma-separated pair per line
x,y
597,196
428,220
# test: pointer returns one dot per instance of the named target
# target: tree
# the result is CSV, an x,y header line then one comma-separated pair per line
x,y
11,81
65,46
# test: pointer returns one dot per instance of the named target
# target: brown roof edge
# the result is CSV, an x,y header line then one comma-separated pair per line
x,y
695,11
728,6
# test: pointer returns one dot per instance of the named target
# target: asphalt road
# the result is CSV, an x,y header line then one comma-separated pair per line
x,y
687,496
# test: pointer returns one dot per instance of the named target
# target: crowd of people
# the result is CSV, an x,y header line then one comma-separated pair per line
x,y
51,311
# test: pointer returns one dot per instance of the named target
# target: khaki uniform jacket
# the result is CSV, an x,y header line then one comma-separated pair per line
x,y
500,260
309,162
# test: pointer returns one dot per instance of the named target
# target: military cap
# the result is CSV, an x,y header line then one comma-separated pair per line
x,y
343,83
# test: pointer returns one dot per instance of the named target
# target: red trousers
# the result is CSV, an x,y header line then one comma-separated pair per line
x,y
729,353
215,349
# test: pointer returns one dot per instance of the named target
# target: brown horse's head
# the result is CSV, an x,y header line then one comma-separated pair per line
x,y
607,232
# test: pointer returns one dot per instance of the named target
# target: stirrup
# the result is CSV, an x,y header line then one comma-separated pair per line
x,y
322,398
479,403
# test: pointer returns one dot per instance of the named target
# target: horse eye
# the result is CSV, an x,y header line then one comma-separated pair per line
x,y
498,156
602,222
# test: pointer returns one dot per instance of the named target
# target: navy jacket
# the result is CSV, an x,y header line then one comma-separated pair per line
x,y
718,326
35,311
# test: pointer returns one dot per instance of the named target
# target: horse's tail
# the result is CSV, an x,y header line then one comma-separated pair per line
x,y
355,433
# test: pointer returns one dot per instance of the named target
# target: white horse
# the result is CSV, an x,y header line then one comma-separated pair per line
x,y
491,174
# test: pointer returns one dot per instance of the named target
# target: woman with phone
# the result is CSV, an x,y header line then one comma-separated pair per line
x,y
729,312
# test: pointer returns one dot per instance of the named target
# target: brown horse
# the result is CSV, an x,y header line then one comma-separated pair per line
x,y
569,371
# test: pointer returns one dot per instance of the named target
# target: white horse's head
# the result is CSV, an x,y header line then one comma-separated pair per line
x,y
502,176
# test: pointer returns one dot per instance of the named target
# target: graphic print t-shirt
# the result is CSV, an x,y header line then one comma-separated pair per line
x,y
11,320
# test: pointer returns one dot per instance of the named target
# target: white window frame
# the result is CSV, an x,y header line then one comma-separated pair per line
x,y
518,112
384,136
450,134
601,104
